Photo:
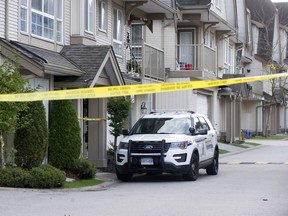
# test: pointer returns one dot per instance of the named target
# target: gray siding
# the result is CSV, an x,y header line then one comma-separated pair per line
x,y
13,20
67,22
2,19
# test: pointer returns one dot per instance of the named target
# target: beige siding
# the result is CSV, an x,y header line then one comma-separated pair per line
x,y
156,38
2,19
176,100
170,47
67,22
13,23
105,38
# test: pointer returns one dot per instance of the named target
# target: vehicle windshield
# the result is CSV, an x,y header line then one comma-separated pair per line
x,y
162,126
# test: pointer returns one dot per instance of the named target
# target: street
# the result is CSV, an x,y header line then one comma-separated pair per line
x,y
249,183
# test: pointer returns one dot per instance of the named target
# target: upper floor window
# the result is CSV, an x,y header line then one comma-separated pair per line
x,y
117,31
103,16
218,4
43,16
248,27
24,16
228,49
209,40
89,15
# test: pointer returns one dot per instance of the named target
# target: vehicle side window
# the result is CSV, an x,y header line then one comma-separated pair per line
x,y
204,123
198,124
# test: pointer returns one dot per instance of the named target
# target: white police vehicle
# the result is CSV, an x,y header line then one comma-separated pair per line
x,y
179,142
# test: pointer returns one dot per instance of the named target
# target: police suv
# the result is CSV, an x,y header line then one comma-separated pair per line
x,y
179,142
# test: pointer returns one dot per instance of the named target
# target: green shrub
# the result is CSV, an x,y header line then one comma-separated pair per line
x,y
15,177
82,169
64,135
44,176
31,139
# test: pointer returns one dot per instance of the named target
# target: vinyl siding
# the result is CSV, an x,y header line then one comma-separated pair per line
x,y
174,100
170,47
2,19
67,21
13,20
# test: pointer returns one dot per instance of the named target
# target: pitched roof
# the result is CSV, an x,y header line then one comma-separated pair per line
x,y
47,58
90,59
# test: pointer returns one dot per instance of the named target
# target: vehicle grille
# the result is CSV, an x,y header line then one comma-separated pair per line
x,y
148,147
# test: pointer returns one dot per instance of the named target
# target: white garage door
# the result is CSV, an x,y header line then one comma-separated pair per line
x,y
202,104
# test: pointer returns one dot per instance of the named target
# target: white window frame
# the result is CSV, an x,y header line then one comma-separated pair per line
x,y
228,61
209,39
41,14
218,4
118,28
24,8
248,27
103,16
89,16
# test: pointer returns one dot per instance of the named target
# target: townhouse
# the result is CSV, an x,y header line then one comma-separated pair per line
x,y
65,44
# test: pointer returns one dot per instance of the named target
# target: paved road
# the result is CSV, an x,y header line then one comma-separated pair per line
x,y
238,190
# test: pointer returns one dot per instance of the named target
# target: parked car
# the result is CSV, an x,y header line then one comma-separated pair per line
x,y
180,142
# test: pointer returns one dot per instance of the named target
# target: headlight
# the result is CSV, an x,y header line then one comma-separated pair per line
x,y
181,145
123,145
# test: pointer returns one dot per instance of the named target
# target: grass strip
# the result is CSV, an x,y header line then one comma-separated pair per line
x,y
82,183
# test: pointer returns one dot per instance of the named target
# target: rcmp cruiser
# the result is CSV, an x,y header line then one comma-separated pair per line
x,y
179,142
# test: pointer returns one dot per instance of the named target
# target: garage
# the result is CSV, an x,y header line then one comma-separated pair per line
x,y
202,104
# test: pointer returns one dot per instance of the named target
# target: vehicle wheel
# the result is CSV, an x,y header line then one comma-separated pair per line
x,y
193,172
212,169
123,176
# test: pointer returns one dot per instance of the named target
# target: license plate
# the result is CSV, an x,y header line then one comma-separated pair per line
x,y
146,161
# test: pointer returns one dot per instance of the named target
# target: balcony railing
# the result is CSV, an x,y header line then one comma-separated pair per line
x,y
196,57
148,61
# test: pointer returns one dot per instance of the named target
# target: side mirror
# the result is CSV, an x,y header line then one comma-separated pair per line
x,y
192,130
125,132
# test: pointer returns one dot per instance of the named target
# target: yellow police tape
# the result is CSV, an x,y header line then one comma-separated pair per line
x,y
117,91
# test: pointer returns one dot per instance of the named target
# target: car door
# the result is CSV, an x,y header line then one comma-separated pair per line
x,y
200,139
210,137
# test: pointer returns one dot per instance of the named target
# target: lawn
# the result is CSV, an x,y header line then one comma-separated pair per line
x,y
82,183
269,137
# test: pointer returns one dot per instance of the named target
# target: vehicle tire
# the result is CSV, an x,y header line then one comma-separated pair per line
x,y
193,171
212,169
126,177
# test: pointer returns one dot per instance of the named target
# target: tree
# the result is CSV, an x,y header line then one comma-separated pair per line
x,y
118,110
64,135
11,82
31,137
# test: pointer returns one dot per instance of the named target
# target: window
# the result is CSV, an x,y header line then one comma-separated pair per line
x,y
43,15
204,123
117,32
89,15
209,40
187,50
23,15
218,3
103,16
228,57
248,27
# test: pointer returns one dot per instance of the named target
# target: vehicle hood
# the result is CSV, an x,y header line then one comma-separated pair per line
x,y
158,137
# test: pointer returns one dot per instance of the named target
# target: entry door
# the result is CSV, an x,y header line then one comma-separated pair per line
x,y
186,49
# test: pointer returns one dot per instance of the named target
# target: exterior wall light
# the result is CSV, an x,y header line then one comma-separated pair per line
x,y
143,108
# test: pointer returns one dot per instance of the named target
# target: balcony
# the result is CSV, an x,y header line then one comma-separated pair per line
x,y
195,61
147,62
